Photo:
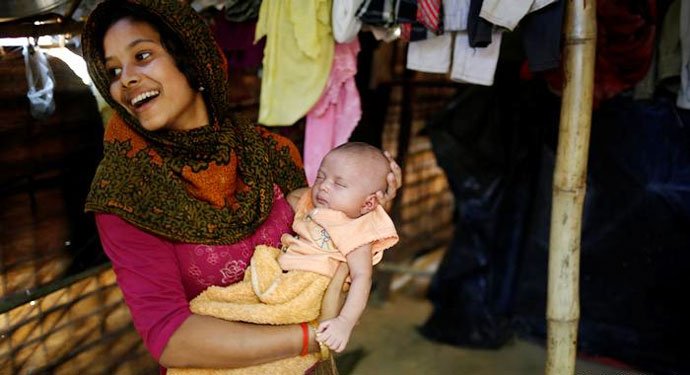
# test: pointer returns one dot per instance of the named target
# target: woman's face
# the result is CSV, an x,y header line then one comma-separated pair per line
x,y
145,80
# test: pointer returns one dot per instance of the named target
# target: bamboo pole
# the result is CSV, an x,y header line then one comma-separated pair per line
x,y
563,304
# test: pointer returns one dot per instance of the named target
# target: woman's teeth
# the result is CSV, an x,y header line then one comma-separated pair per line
x,y
143,96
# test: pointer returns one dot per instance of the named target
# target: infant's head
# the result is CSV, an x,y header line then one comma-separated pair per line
x,y
349,177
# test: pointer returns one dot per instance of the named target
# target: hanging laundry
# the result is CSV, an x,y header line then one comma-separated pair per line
x,y
664,70
41,82
236,39
432,55
625,43
508,13
429,15
243,56
409,20
428,20
467,64
541,35
387,13
344,20
414,32
241,10
479,30
386,34
333,118
455,14
475,65
297,57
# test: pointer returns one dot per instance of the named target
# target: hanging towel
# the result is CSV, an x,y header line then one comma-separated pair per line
x,y
475,65
431,55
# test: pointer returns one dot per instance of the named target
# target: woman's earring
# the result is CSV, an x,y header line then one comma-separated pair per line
x,y
201,89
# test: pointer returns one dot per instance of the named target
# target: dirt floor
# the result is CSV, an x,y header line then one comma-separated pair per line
x,y
386,342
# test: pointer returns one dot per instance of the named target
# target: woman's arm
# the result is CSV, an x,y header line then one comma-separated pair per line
x,y
149,276
204,341
336,332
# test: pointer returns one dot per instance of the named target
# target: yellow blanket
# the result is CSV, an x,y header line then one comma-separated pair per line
x,y
267,295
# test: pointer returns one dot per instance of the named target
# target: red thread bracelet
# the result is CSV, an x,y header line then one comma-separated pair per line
x,y
305,339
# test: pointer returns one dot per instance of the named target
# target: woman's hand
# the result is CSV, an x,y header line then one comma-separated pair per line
x,y
394,179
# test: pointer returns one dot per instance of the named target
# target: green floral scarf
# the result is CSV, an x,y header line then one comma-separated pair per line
x,y
211,185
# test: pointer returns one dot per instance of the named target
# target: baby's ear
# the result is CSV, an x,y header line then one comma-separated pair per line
x,y
369,204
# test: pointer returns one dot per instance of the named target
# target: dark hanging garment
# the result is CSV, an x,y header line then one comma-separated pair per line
x,y
541,36
241,10
626,34
478,29
485,143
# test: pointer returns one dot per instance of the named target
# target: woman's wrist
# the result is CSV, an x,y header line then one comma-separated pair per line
x,y
308,341
313,343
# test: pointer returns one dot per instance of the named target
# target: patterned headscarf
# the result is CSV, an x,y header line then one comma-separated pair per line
x,y
212,184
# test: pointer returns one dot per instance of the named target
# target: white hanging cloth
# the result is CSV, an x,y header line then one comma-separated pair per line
x,y
39,77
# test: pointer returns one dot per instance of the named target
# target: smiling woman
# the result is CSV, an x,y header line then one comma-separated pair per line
x,y
185,190
146,81
183,194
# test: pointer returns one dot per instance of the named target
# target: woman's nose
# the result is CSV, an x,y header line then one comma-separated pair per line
x,y
129,76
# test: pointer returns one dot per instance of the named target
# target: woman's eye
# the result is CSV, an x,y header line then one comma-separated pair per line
x,y
143,55
340,184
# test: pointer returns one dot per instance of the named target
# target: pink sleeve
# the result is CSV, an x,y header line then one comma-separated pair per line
x,y
148,274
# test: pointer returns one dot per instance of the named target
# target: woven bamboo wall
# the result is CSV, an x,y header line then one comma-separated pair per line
x,y
426,203
83,328
46,166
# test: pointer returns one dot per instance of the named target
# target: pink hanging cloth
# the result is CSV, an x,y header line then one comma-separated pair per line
x,y
332,119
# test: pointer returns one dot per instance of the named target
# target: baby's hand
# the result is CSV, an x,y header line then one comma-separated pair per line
x,y
335,333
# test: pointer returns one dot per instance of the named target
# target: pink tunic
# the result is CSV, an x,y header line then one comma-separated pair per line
x,y
158,277
332,119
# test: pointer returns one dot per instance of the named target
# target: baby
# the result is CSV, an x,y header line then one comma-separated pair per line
x,y
338,219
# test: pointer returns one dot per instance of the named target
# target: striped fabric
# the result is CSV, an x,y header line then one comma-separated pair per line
x,y
429,15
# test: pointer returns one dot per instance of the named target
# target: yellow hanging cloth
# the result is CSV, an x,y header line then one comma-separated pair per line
x,y
297,57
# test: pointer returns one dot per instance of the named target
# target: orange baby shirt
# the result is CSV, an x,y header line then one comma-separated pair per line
x,y
324,237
